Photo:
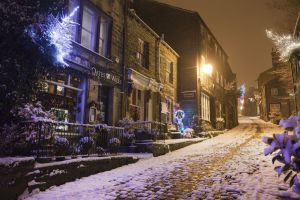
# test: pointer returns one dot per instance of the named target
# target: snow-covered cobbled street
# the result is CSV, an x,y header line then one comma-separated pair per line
x,y
229,166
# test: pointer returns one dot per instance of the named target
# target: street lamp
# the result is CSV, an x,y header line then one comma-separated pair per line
x,y
207,69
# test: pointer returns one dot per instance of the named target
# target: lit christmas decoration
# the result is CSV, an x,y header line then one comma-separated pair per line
x,y
179,115
56,32
60,35
285,44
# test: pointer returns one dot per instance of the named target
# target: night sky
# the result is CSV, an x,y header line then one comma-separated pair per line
x,y
239,26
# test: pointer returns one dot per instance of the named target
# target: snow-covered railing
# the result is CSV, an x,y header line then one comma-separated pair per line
x,y
152,128
47,136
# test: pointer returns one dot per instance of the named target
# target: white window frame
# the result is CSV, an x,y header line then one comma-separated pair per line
x,y
205,107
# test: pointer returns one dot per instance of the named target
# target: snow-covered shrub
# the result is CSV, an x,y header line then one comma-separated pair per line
x,y
128,137
61,145
220,123
86,144
188,133
287,150
32,126
275,117
101,133
114,144
100,151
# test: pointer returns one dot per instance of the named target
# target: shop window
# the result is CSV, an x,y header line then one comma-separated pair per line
x,y
103,97
169,72
60,90
92,114
142,54
205,107
136,104
274,91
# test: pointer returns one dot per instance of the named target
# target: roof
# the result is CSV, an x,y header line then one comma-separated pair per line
x,y
192,13
133,14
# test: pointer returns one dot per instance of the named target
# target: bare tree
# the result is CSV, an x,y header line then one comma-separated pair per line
x,y
291,9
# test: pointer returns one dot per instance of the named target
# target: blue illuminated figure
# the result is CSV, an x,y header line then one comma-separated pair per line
x,y
179,115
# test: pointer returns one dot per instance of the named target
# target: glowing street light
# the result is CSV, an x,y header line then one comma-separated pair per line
x,y
207,69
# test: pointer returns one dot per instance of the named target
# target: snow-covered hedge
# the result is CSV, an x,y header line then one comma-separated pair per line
x,y
286,149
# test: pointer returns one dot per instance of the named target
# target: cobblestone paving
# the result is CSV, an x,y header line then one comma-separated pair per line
x,y
225,167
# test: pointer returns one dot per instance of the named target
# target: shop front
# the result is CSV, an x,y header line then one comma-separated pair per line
x,y
64,93
104,95
143,97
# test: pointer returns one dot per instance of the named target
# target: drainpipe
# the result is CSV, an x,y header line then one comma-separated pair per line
x,y
124,60
158,78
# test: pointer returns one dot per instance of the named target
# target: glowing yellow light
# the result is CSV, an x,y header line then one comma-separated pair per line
x,y
207,69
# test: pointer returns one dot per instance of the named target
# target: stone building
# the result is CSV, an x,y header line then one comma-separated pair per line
x,y
276,89
295,64
206,84
89,89
152,73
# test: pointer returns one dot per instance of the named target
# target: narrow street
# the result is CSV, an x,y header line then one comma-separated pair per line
x,y
229,166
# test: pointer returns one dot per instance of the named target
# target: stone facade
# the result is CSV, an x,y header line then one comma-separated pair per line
x,y
295,64
147,87
89,90
276,89
206,97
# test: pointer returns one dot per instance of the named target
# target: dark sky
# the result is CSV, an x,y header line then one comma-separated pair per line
x,y
239,26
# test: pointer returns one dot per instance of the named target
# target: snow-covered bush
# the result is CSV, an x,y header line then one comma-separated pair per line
x,y
287,150
100,151
32,127
188,133
86,144
114,144
275,117
61,145
128,137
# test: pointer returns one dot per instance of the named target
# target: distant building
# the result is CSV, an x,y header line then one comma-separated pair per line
x,y
276,89
250,104
151,73
206,83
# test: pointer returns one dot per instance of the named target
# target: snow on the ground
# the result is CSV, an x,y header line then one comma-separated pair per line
x,y
229,166
14,160
175,141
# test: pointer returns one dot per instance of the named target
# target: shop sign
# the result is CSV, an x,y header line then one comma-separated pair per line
x,y
106,75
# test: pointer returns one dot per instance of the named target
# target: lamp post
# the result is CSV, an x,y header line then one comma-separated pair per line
x,y
207,69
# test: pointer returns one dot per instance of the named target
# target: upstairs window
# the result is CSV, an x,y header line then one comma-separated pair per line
x,y
87,32
169,72
274,91
143,53
95,30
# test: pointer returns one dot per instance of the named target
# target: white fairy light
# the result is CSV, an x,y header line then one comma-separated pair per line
x,y
285,44
60,32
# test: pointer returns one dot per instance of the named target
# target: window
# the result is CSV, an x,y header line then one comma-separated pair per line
x,y
143,53
275,107
72,5
95,30
274,91
169,72
136,106
205,107
103,37
87,32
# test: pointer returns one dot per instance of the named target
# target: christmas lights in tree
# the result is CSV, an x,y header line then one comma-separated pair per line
x,y
54,36
59,32
285,44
